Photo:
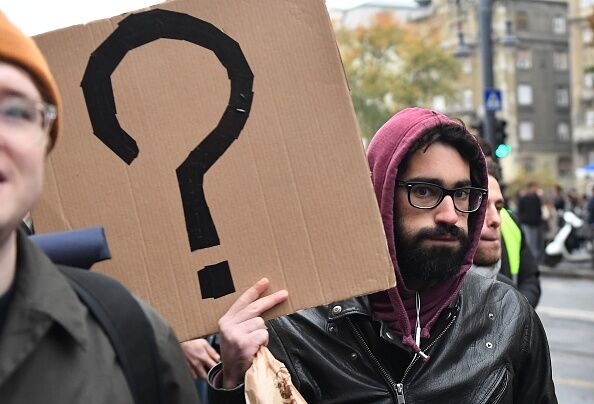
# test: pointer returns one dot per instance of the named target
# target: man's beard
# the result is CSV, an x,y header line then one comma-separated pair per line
x,y
422,267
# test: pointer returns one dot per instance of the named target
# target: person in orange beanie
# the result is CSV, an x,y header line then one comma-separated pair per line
x,y
53,346
21,51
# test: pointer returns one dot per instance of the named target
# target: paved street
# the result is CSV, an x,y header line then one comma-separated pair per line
x,y
567,313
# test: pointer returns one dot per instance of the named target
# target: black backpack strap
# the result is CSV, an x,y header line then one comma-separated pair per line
x,y
126,326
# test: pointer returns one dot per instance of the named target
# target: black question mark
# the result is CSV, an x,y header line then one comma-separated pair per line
x,y
139,29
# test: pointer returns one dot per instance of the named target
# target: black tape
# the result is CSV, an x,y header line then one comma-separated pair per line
x,y
215,280
137,30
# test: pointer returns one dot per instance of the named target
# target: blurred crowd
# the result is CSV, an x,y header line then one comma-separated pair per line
x,y
540,212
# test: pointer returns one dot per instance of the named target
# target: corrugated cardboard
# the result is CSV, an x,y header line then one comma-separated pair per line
x,y
291,199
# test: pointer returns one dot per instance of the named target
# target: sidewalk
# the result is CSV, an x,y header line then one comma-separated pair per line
x,y
564,269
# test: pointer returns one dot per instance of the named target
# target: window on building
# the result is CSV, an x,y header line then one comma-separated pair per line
x,y
524,94
562,96
522,21
526,131
586,3
589,117
589,80
467,66
564,166
559,25
560,61
524,59
528,164
467,99
587,35
563,132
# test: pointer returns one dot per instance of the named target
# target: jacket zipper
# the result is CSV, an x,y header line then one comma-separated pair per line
x,y
400,393
427,348
391,382
397,388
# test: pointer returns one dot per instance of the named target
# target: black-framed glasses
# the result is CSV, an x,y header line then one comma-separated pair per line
x,y
426,195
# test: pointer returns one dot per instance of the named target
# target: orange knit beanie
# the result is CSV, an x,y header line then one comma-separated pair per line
x,y
19,49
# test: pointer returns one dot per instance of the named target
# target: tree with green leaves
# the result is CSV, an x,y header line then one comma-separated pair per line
x,y
390,67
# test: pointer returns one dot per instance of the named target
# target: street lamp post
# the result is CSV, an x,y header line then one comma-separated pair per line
x,y
485,8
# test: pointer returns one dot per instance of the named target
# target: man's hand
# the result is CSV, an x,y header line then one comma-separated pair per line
x,y
200,356
242,331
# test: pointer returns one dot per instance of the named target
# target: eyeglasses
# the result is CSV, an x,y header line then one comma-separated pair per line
x,y
425,195
23,119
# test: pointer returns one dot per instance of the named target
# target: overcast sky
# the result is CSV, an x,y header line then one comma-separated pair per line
x,y
38,16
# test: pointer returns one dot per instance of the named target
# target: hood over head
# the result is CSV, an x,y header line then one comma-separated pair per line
x,y
397,306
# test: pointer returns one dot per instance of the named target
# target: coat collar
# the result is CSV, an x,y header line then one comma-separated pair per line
x,y
357,305
42,299
43,291
362,306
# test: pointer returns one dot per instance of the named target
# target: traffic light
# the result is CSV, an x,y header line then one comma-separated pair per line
x,y
502,149
500,146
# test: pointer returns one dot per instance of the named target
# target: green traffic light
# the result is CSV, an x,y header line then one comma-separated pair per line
x,y
502,150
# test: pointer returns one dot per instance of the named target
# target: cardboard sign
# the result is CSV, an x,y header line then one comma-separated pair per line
x,y
216,143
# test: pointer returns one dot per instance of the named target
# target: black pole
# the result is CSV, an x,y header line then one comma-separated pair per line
x,y
487,62
485,21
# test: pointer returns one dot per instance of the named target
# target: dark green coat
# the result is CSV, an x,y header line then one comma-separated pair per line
x,y
53,351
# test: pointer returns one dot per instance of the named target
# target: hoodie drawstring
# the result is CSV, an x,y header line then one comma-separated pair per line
x,y
418,327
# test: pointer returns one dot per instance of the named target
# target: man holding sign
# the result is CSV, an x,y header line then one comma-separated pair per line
x,y
442,334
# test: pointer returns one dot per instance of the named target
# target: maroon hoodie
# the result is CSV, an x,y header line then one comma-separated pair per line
x,y
397,306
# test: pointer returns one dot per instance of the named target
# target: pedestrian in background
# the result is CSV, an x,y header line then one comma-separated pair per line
x,y
530,216
552,217
559,200
502,252
590,212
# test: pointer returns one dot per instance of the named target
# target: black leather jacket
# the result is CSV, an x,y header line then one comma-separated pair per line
x,y
490,347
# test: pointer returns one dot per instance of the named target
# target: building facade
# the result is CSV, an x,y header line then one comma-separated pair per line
x,y
582,87
531,65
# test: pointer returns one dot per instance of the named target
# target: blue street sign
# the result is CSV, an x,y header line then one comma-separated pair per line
x,y
492,100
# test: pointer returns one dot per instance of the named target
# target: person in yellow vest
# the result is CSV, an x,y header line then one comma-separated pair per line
x,y
502,252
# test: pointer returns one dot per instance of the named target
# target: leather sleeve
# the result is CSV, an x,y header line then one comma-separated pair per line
x,y
300,378
535,380
219,395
